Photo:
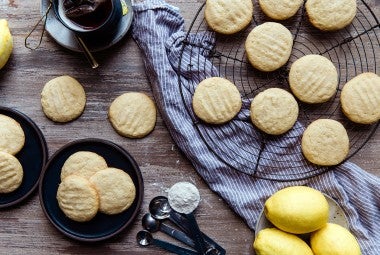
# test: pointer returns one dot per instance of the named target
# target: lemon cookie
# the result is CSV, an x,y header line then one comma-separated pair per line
x,y
11,173
63,99
313,79
83,163
274,111
360,98
77,198
268,46
12,137
115,188
280,9
133,114
216,100
325,142
330,15
228,16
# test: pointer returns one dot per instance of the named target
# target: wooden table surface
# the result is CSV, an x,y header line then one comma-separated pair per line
x,y
24,229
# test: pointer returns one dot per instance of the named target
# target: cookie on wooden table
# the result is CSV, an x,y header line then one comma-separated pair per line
x,y
115,188
313,79
11,173
325,142
133,114
216,100
12,137
360,98
280,9
63,99
331,15
268,46
77,198
274,111
228,16
83,163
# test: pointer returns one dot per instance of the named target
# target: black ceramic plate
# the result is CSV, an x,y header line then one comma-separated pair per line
x,y
32,157
102,226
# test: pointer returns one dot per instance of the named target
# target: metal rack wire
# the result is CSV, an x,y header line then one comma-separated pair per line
x,y
353,50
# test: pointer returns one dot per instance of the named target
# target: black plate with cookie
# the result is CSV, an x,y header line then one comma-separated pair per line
x,y
32,157
102,226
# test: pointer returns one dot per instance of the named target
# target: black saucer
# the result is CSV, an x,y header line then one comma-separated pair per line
x,y
66,38
32,157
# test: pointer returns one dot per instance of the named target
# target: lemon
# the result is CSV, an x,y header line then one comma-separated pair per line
x,y
272,241
333,239
297,209
6,42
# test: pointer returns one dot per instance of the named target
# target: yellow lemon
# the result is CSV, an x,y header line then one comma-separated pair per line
x,y
272,241
333,239
6,42
297,209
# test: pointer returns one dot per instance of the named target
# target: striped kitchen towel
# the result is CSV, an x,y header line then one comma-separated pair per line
x,y
158,29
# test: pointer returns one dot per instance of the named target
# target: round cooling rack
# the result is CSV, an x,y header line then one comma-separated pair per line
x,y
353,50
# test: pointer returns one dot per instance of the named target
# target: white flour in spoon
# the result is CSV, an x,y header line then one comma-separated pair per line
x,y
183,197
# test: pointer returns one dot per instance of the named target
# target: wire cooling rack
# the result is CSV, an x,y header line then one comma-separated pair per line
x,y
354,50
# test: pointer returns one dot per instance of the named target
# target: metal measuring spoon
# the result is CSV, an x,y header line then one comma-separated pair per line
x,y
153,225
144,238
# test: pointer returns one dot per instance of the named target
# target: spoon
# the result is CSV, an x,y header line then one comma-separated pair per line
x,y
144,238
87,52
153,225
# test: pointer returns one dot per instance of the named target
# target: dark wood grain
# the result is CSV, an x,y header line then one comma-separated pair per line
x,y
24,229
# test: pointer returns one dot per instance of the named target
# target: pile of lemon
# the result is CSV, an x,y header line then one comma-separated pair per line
x,y
6,43
301,210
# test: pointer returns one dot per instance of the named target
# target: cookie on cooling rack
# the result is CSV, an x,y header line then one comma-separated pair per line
x,y
268,46
325,142
11,173
280,9
12,137
274,111
216,100
313,79
360,98
330,15
228,16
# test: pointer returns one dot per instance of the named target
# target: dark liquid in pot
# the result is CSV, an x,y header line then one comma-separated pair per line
x,y
96,18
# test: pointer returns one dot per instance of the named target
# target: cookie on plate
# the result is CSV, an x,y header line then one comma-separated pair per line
x,y
280,9
83,163
11,173
12,137
313,79
325,142
133,115
268,46
216,100
115,188
330,15
274,111
360,98
228,16
77,198
63,99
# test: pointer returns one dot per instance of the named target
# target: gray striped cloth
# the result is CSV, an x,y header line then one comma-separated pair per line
x,y
158,29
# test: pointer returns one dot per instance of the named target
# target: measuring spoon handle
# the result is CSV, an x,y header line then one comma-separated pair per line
x,y
174,248
177,234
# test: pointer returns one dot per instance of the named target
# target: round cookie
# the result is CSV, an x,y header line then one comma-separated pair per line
x,y
274,111
83,163
325,142
63,99
268,46
228,16
11,173
12,137
77,198
216,100
115,188
133,114
360,98
280,9
330,15
313,79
